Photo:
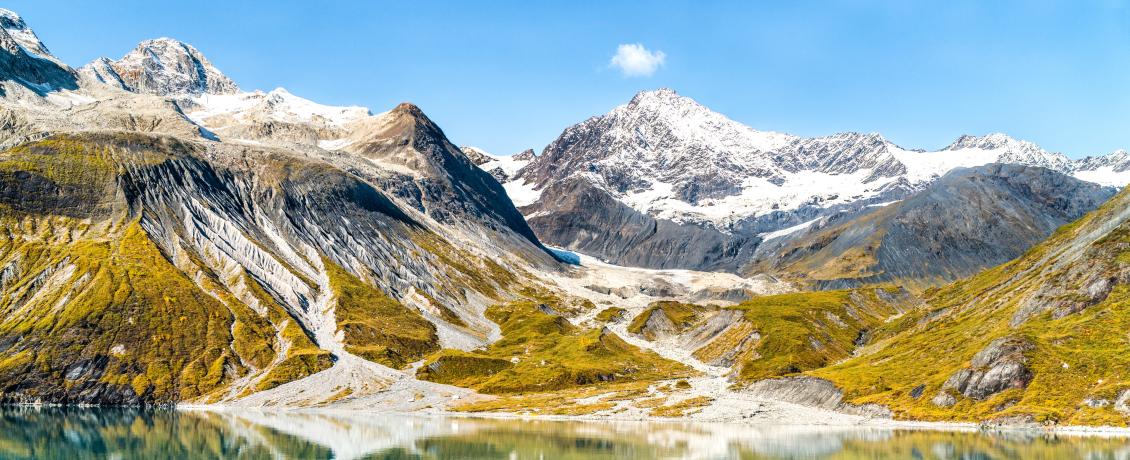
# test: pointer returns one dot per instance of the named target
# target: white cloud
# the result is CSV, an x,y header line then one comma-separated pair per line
x,y
634,60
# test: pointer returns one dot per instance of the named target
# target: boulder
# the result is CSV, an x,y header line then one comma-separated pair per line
x,y
999,366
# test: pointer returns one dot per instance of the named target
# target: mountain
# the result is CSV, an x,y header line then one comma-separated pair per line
x,y
254,265
280,251
173,239
276,117
503,168
966,221
1034,340
698,190
163,67
478,156
26,60
1109,169
1012,151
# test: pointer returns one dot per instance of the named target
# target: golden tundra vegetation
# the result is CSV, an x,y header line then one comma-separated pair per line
x,y
1066,299
542,351
90,306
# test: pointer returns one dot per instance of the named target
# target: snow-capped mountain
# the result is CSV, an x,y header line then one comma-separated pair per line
x,y
162,66
1110,169
661,145
668,158
504,168
25,60
273,117
17,33
1009,150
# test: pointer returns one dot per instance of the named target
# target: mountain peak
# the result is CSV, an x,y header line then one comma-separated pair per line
x,y
991,141
162,66
656,94
22,35
25,60
410,109
662,97
1011,150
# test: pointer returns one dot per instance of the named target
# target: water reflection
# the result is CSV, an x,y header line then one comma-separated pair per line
x,y
75,433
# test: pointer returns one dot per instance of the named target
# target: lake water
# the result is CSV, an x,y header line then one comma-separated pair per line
x,y
128,434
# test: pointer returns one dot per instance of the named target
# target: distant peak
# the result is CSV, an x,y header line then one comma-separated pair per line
x,y
659,95
410,109
163,66
478,156
163,41
989,141
23,36
10,15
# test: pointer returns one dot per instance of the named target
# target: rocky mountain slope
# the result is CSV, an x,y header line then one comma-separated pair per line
x,y
1036,339
171,239
689,188
251,266
162,67
964,222
26,60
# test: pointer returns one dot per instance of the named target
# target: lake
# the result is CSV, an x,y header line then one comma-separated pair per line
x,y
79,433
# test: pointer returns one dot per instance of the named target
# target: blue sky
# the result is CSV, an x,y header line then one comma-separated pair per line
x,y
507,76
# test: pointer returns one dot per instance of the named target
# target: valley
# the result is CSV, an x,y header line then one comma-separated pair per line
x,y
172,240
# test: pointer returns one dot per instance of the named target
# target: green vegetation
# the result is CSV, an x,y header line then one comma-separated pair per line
x,y
1047,298
480,274
568,401
93,311
159,336
376,326
809,330
681,316
541,352
683,408
610,314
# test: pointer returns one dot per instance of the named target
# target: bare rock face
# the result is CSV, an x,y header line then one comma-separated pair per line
x,y
1122,404
25,60
161,67
813,392
578,216
477,156
966,221
430,173
526,155
998,367
943,399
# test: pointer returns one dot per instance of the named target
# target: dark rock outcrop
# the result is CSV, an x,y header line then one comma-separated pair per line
x,y
1000,366
587,219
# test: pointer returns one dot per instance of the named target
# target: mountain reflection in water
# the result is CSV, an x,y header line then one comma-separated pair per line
x,y
79,433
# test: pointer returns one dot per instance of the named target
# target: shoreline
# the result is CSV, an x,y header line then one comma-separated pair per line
x,y
861,423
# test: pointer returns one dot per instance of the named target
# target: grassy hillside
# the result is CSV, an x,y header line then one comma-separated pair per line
x,y
377,327
1041,338
808,330
541,351
93,311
